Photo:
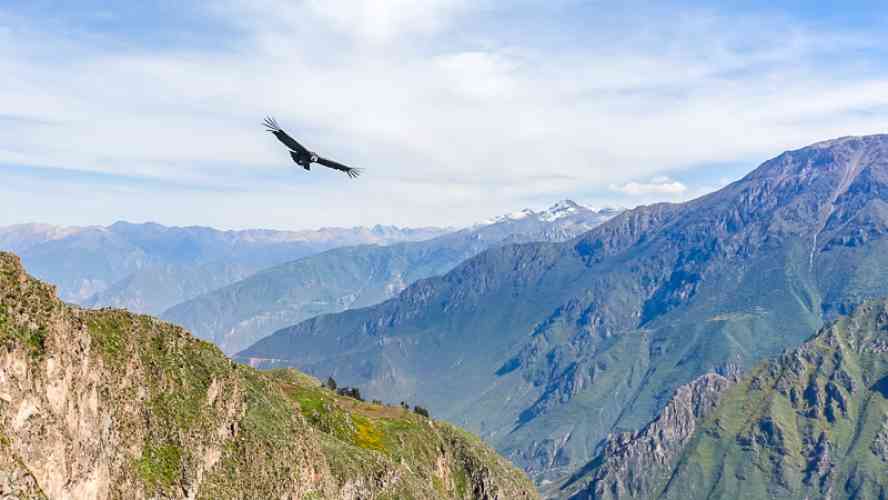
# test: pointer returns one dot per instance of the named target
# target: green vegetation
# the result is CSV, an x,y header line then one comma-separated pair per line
x,y
33,339
36,340
107,332
342,418
182,374
268,414
355,393
160,466
392,430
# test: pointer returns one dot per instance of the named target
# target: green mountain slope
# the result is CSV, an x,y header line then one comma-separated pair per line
x,y
547,348
811,424
238,315
107,404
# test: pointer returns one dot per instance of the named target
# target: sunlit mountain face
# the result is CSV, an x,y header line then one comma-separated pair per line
x,y
548,347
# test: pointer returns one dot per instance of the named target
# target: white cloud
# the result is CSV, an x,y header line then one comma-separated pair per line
x,y
452,119
657,185
385,20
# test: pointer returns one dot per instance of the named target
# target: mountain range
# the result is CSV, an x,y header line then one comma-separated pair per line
x,y
109,404
150,267
546,348
812,423
237,315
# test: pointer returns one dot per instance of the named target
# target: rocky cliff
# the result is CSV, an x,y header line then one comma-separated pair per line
x,y
811,424
632,463
107,404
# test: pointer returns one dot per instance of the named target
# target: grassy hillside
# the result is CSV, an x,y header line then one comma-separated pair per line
x,y
107,404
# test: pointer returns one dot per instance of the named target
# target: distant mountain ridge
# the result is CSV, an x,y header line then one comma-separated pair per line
x,y
548,347
239,314
149,267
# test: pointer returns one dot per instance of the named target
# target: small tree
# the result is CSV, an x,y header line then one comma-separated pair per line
x,y
352,392
356,393
419,410
330,384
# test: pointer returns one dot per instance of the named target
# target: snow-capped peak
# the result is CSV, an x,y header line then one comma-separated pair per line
x,y
561,209
521,214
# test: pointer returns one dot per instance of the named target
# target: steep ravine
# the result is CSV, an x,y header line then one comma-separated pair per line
x,y
107,404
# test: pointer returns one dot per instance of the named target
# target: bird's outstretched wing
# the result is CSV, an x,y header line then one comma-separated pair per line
x,y
282,136
349,171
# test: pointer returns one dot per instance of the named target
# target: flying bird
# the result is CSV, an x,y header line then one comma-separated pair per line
x,y
304,157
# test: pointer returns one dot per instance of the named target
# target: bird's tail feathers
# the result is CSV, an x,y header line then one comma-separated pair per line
x,y
354,172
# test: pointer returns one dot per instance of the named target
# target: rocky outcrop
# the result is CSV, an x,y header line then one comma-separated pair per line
x,y
633,464
15,479
880,444
106,404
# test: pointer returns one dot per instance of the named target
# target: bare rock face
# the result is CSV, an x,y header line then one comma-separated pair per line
x,y
106,404
880,444
635,462
15,479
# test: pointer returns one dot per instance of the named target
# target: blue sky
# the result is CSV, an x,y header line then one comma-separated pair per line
x,y
457,109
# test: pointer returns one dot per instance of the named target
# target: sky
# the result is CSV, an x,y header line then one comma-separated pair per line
x,y
457,110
